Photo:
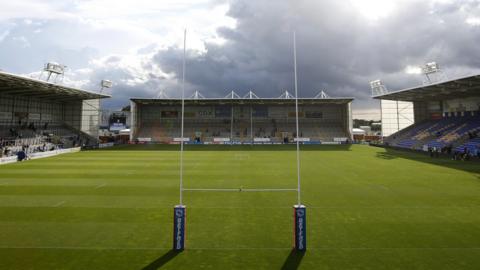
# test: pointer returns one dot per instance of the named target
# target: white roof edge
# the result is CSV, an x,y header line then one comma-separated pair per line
x,y
226,99
51,84
425,86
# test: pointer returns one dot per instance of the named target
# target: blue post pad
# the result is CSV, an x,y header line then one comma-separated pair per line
x,y
179,221
300,227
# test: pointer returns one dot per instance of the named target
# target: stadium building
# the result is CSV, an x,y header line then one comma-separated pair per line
x,y
114,121
35,113
446,116
233,119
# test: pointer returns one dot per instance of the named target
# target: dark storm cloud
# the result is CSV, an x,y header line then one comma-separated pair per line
x,y
339,49
122,91
27,46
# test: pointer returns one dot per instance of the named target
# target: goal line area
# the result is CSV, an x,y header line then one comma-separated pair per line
x,y
240,189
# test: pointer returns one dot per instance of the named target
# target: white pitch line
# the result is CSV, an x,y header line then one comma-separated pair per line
x,y
268,189
100,186
59,204
237,248
241,189
343,208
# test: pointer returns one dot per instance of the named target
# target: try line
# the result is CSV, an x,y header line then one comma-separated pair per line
x,y
234,248
241,189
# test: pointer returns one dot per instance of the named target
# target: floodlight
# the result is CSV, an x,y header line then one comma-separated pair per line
x,y
55,68
106,84
378,88
376,83
430,68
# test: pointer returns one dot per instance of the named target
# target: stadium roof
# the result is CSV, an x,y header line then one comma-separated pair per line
x,y
23,86
456,88
259,101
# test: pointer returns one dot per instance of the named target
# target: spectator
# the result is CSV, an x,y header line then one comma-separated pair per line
x,y
449,149
475,152
466,154
21,156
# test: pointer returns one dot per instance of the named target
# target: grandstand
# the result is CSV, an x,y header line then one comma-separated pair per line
x,y
447,116
242,120
44,116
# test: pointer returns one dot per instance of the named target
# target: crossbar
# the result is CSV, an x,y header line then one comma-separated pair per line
x,y
241,189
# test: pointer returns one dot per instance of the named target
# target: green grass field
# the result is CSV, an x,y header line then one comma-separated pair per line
x,y
368,208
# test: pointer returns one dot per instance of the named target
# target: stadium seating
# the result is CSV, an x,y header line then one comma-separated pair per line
x,y
16,136
448,131
167,129
471,145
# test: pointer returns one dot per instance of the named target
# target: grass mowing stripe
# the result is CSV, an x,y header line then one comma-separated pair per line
x,y
238,248
367,208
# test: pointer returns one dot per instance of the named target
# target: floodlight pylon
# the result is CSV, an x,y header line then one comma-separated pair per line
x,y
250,95
162,95
322,95
197,95
232,95
286,95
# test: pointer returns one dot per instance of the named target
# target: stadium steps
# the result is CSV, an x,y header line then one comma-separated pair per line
x,y
471,145
437,133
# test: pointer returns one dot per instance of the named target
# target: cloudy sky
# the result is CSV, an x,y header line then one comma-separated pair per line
x,y
241,45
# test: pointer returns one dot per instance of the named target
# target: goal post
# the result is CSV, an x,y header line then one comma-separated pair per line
x,y
299,210
180,210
